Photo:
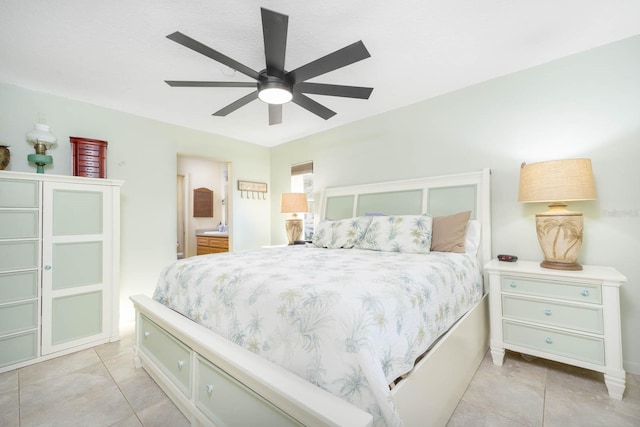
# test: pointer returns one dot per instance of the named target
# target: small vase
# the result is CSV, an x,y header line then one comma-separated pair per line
x,y
5,156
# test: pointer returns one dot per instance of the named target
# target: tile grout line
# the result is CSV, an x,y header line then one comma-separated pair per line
x,y
124,396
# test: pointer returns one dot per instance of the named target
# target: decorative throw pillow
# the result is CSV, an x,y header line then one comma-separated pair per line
x,y
398,233
344,233
449,232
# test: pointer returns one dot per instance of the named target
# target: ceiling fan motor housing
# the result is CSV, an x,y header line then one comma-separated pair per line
x,y
274,89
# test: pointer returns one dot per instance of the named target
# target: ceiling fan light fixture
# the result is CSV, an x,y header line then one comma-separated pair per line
x,y
275,93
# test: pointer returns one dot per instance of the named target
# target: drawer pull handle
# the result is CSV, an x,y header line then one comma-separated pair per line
x,y
549,340
513,284
180,364
209,389
547,311
47,267
585,293
146,334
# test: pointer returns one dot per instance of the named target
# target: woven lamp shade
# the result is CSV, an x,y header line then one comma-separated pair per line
x,y
293,203
557,180
559,230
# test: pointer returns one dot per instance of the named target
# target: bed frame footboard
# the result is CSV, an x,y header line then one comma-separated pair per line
x,y
184,364
211,379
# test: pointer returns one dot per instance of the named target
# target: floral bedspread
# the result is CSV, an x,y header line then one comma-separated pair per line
x,y
348,320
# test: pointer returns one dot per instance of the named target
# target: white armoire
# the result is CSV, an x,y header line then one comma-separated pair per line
x,y
59,265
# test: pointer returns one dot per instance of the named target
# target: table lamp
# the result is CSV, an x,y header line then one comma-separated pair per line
x,y
559,230
293,203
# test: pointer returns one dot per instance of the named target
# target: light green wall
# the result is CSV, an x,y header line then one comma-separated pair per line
x,y
585,105
143,153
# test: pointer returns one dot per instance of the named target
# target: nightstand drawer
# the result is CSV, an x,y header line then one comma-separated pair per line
x,y
574,346
562,290
580,318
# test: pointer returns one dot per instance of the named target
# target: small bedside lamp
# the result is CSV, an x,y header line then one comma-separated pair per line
x,y
293,203
42,139
559,230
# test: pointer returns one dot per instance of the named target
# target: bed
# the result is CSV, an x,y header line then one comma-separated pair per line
x,y
237,338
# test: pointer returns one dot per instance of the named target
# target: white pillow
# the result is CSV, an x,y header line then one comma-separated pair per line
x,y
398,233
472,237
344,233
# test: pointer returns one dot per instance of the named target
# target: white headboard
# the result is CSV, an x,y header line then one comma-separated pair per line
x,y
437,195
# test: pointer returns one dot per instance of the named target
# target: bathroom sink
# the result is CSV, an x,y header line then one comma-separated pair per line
x,y
215,233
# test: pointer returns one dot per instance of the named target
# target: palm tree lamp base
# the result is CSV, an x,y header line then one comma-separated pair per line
x,y
293,227
560,237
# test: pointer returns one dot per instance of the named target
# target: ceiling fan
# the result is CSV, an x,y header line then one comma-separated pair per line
x,y
275,85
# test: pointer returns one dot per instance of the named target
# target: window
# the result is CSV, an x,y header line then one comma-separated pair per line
x,y
302,182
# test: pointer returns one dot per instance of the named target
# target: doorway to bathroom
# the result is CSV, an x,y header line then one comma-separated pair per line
x,y
197,176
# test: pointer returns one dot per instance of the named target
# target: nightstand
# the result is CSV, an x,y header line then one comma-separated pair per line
x,y
571,317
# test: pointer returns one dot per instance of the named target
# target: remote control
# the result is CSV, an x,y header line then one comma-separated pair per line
x,y
507,258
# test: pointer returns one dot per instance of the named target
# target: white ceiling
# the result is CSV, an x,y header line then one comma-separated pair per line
x,y
115,54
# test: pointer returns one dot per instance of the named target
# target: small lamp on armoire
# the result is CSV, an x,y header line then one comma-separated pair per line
x,y
42,140
559,230
293,203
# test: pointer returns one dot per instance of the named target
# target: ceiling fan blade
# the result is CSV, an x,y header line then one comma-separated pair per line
x,y
274,32
184,83
275,114
334,90
195,45
237,104
347,55
313,106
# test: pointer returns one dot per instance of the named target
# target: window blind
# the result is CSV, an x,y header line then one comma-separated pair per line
x,y
302,168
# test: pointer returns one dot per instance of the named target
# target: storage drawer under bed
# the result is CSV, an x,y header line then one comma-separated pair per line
x,y
227,402
171,356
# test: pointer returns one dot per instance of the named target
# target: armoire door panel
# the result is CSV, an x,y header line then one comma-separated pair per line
x,y
77,212
75,317
76,264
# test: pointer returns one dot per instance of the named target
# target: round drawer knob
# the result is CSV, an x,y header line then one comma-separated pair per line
x,y
547,311
549,340
47,267
209,389
513,284
585,293
180,364
146,334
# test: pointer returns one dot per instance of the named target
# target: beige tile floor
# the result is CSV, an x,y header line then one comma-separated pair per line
x,y
101,387
543,393
95,387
